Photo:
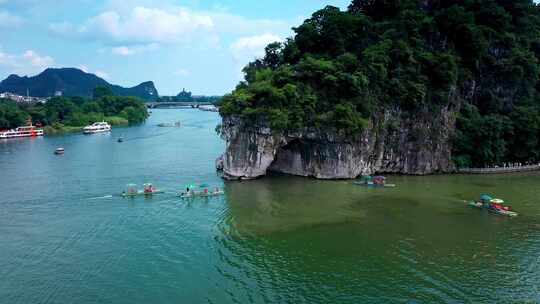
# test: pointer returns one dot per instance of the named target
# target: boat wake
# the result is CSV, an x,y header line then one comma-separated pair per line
x,y
148,136
101,197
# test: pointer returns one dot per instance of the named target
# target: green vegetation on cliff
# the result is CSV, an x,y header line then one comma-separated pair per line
x,y
479,58
61,114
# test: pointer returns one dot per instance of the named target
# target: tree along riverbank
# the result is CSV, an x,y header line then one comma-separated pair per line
x,y
59,129
407,87
67,114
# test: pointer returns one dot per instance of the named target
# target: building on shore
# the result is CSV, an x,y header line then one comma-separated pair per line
x,y
22,99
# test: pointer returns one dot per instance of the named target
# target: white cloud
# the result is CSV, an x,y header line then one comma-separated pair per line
x,y
182,72
37,60
64,28
248,48
29,62
136,49
122,51
9,20
99,73
5,59
130,22
143,25
102,74
239,25
83,68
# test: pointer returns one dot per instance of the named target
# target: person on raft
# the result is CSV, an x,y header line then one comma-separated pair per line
x,y
498,206
187,192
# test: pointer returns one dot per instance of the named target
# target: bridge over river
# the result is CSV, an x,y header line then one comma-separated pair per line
x,y
153,105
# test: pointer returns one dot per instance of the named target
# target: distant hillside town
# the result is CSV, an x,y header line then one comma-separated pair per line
x,y
24,99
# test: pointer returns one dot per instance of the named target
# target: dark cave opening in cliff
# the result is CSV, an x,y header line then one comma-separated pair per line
x,y
287,156
293,145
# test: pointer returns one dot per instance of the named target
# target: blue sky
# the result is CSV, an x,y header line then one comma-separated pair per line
x,y
197,44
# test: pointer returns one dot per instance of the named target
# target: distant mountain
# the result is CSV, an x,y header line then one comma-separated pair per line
x,y
71,82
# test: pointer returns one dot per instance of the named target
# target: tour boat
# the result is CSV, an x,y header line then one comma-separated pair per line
x,y
168,125
209,108
59,151
27,131
97,127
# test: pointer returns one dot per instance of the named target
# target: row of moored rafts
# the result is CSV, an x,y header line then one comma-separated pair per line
x,y
191,191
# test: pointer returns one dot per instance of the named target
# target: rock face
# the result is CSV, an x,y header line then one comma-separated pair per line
x,y
394,143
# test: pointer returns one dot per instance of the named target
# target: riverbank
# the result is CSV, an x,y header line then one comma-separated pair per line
x,y
500,170
59,129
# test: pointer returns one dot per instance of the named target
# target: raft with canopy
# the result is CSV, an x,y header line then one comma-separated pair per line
x,y
493,205
497,207
485,198
201,190
373,181
132,191
484,201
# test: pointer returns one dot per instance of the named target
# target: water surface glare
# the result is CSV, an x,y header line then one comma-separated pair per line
x,y
67,237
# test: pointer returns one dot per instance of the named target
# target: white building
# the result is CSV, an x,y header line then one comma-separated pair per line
x,y
22,99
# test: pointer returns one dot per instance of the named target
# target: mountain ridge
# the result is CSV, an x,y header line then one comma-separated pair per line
x,y
71,82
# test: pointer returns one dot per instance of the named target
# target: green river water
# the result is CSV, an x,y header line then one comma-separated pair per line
x,y
67,237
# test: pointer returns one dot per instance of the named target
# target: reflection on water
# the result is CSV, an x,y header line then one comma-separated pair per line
x,y
301,240
283,204
67,237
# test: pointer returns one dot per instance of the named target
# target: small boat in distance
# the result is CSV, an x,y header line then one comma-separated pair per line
x,y
169,125
120,139
97,127
209,108
493,205
26,131
59,151
376,181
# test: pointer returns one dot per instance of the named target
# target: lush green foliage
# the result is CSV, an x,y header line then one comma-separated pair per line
x,y
11,116
343,67
75,111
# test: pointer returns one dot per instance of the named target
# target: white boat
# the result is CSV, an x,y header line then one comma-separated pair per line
x,y
59,151
209,108
97,127
27,131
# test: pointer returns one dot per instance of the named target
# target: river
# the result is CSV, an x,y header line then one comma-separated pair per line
x,y
67,237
